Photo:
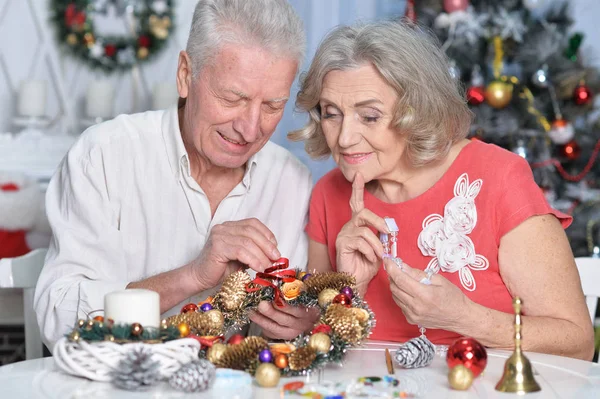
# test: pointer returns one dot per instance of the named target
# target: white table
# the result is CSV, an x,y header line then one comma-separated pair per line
x,y
559,378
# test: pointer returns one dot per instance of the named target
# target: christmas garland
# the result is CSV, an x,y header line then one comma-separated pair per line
x,y
74,23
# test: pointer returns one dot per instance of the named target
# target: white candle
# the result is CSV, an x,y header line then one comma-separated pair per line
x,y
133,306
164,95
100,99
32,98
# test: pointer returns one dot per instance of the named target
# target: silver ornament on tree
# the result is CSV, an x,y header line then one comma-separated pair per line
x,y
137,370
195,376
540,77
521,149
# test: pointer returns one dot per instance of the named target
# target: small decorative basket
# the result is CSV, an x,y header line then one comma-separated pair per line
x,y
96,360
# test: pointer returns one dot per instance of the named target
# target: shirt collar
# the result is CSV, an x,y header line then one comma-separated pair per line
x,y
178,156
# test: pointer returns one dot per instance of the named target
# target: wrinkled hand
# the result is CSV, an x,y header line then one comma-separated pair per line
x,y
438,305
232,246
285,322
359,251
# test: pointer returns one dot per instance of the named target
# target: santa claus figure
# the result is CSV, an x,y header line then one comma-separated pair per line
x,y
23,222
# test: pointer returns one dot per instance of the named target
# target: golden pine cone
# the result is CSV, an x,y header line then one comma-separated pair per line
x,y
199,323
361,315
233,290
334,280
344,323
256,344
301,358
236,357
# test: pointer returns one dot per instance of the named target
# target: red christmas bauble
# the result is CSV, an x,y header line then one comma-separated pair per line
x,y
143,41
110,50
342,299
190,307
582,95
235,339
570,150
475,95
469,353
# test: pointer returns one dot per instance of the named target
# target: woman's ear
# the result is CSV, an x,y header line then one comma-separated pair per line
x,y
184,74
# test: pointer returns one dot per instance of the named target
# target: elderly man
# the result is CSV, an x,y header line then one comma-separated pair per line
x,y
175,200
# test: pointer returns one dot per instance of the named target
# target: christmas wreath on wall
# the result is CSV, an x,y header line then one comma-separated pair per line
x,y
150,22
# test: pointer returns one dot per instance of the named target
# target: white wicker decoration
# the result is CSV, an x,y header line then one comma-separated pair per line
x,y
96,360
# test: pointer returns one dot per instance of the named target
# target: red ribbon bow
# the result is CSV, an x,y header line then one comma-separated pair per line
x,y
275,272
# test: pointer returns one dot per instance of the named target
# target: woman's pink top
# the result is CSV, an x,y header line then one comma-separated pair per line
x,y
455,227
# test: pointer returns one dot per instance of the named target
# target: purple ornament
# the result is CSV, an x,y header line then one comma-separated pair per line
x,y
206,307
265,356
348,292
307,275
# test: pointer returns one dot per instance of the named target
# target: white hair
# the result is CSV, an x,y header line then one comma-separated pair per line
x,y
270,24
431,112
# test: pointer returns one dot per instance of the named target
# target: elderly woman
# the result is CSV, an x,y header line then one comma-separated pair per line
x,y
382,103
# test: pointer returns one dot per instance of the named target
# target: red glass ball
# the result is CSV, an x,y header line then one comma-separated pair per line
x,y
570,151
582,95
342,299
235,339
190,307
469,353
144,41
476,95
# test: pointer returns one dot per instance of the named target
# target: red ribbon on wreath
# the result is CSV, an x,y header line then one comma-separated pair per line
x,y
275,272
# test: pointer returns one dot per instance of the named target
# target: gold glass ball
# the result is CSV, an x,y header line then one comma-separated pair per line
x,y
215,352
326,297
361,315
184,329
143,52
281,360
267,375
137,329
320,342
72,39
215,319
498,93
74,336
460,378
109,337
80,323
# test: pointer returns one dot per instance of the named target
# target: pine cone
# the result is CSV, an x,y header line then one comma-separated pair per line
x,y
318,282
344,323
195,376
240,356
200,323
255,344
137,370
233,291
301,358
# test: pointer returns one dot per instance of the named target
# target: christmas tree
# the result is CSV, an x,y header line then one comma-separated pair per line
x,y
531,91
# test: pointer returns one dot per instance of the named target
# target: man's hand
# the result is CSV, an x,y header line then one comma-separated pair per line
x,y
232,246
285,322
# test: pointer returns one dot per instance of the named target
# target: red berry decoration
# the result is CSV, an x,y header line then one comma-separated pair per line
x,y
110,50
324,328
582,95
469,353
475,95
235,339
190,307
143,41
9,187
570,151
342,299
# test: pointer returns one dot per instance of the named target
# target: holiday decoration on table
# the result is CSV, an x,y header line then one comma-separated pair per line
x,y
195,376
137,370
533,82
346,321
150,24
469,353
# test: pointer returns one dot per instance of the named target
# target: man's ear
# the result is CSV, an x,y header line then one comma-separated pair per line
x,y
184,74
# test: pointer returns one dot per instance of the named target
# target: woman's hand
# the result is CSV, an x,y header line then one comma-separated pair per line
x,y
436,305
358,250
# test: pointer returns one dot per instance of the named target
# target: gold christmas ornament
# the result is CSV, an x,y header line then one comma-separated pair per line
x,y
281,361
89,39
361,315
184,329
109,337
142,53
318,282
460,378
209,323
343,322
301,358
267,375
326,297
159,27
214,320
233,290
498,93
80,323
215,352
74,336
72,39
320,342
255,344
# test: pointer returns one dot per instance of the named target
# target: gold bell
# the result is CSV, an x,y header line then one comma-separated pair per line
x,y
518,374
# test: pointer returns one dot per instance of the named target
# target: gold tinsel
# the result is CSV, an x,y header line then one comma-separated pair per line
x,y
241,356
318,282
233,291
301,358
199,323
344,323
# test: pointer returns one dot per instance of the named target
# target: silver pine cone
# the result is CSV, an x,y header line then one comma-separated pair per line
x,y
136,371
415,353
195,376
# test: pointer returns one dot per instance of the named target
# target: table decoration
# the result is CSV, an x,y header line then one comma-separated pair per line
x,y
346,320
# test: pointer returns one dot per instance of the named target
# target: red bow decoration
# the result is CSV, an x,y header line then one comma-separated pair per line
x,y
207,341
275,272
